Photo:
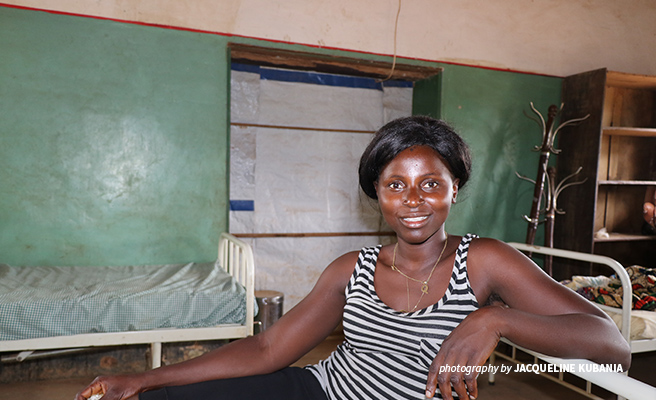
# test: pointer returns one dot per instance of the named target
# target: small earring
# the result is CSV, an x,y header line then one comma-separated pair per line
x,y
454,199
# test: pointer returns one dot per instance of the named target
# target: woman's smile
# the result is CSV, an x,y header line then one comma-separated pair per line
x,y
414,219
414,222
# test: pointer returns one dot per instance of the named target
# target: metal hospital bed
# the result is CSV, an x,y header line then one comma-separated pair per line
x,y
232,272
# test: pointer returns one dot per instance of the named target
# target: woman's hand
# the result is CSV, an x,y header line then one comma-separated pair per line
x,y
119,387
467,347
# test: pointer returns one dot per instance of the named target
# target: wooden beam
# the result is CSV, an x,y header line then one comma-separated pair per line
x,y
328,63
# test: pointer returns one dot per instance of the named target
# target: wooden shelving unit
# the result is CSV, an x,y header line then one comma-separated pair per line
x,y
616,146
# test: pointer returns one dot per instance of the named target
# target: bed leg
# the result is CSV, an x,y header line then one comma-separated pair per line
x,y
156,355
490,375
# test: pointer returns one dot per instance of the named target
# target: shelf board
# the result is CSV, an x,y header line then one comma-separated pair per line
x,y
624,237
635,81
628,131
627,183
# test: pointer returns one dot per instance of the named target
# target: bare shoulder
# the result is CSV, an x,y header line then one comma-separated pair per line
x,y
344,263
495,257
338,272
490,245
345,259
494,266
490,253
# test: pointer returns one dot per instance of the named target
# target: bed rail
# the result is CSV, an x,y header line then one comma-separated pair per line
x,y
620,384
237,258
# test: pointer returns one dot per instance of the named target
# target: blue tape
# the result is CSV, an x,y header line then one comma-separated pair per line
x,y
316,78
319,79
245,67
242,205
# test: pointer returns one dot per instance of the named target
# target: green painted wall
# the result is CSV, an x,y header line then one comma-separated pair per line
x,y
114,141
490,109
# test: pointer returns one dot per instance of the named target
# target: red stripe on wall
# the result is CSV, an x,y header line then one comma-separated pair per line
x,y
178,28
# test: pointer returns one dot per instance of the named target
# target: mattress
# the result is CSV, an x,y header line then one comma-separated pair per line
x,y
40,302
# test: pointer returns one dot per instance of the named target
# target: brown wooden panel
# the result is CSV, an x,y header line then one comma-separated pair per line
x,y
634,108
629,253
600,209
629,158
624,209
580,144
603,166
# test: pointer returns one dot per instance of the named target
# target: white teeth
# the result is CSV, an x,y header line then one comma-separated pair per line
x,y
414,219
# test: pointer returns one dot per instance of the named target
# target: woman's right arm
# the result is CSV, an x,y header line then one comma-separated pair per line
x,y
296,333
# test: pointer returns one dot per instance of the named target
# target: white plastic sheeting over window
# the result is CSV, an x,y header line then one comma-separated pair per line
x,y
296,140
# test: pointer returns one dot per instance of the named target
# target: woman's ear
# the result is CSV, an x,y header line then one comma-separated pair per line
x,y
455,190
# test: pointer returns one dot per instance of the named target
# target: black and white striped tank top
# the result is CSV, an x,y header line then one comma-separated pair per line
x,y
386,353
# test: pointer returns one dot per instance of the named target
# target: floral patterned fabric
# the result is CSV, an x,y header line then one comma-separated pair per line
x,y
609,291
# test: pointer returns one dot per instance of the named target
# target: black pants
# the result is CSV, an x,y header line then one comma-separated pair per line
x,y
287,384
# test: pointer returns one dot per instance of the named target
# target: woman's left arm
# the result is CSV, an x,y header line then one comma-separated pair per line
x,y
538,313
542,314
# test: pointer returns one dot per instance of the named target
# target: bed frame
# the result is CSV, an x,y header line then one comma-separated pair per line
x,y
235,256
619,384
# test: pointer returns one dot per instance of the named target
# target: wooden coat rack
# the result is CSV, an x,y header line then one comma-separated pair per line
x,y
546,177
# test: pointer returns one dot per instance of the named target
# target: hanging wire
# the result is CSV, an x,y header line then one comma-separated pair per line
x,y
396,26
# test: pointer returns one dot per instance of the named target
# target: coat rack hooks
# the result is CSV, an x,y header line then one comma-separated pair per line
x,y
546,176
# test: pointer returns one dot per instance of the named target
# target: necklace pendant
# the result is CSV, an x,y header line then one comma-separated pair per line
x,y
424,288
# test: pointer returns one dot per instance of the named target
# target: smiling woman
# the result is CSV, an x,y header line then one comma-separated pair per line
x,y
414,167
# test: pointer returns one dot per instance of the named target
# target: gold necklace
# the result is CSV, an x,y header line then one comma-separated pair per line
x,y
424,283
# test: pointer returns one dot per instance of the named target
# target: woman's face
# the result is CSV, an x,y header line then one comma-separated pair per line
x,y
415,192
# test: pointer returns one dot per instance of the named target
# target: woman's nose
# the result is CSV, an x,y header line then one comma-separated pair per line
x,y
413,198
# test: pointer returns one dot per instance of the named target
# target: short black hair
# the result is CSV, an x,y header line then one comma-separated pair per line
x,y
406,132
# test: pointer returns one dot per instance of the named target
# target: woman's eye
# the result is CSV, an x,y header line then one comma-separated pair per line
x,y
431,185
395,185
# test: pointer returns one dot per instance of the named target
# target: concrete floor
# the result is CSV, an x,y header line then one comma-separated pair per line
x,y
511,386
